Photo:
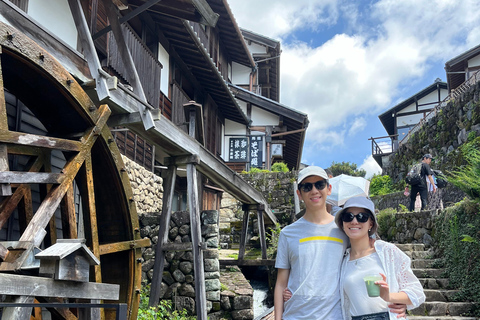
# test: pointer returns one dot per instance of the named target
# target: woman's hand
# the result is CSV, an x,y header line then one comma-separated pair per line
x,y
287,294
384,288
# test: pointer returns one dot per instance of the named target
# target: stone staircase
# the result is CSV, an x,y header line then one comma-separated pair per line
x,y
439,304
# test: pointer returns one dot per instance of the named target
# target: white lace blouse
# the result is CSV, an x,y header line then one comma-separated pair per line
x,y
399,274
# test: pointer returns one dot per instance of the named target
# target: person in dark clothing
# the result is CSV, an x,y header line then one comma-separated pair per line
x,y
422,188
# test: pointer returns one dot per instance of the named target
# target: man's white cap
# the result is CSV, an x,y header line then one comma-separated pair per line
x,y
311,171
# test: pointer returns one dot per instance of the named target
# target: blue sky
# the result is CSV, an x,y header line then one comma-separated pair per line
x,y
345,62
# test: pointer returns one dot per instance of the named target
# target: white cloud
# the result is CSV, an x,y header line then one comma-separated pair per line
x,y
370,166
383,50
278,18
357,126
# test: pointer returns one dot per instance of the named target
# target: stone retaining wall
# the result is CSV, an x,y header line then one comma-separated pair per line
x,y
147,187
178,276
276,188
442,198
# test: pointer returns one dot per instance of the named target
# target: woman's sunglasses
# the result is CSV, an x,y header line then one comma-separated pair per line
x,y
362,217
307,186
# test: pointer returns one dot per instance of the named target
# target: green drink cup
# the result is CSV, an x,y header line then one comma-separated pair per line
x,y
372,288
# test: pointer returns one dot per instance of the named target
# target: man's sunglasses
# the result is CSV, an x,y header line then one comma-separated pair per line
x,y
362,217
307,186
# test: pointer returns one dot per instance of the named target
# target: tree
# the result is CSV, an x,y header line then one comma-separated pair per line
x,y
348,168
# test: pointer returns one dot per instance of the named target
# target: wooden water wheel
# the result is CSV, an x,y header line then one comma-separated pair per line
x,y
66,176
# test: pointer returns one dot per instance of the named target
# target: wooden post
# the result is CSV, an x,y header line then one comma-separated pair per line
x,y
194,210
261,230
200,295
243,236
295,198
5,188
169,187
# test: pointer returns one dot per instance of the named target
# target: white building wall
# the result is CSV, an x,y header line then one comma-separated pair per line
x,y
256,48
431,98
261,117
409,120
164,59
55,16
410,108
474,62
240,74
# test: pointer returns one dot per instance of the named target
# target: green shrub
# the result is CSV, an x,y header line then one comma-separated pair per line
x,y
458,238
165,310
380,185
279,167
386,224
467,177
272,239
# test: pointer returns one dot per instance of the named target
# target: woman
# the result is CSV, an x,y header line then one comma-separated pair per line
x,y
367,256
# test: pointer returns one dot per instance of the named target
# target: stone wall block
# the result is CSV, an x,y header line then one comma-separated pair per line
x,y
245,314
178,276
212,275
209,217
186,267
242,302
212,265
213,295
212,285
180,218
186,290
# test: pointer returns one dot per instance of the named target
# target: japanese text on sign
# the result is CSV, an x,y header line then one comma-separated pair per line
x,y
238,149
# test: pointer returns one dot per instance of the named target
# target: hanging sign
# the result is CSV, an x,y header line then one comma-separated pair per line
x,y
238,149
256,151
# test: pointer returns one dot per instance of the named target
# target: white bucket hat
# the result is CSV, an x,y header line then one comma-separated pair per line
x,y
359,202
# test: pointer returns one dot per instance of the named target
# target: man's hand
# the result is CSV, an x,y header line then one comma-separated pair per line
x,y
287,294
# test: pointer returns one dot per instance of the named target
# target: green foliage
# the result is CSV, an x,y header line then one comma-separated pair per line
x,y
386,224
402,208
257,170
458,238
165,310
348,168
279,167
471,136
467,177
380,185
272,239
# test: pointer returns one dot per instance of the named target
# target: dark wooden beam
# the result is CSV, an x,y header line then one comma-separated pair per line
x,y
124,246
31,177
168,194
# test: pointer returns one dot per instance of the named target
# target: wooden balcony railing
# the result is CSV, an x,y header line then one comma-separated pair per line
x,y
148,67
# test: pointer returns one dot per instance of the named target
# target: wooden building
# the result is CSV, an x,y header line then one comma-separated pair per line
x,y
461,68
401,118
155,77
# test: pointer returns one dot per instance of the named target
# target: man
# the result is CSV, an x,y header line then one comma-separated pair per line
x,y
309,256
421,187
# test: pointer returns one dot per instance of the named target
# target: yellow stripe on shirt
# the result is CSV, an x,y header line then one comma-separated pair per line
x,y
321,238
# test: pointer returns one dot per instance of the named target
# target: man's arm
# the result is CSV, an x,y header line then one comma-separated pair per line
x,y
430,178
280,285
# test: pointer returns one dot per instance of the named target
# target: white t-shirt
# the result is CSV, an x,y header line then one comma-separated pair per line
x,y
313,253
354,286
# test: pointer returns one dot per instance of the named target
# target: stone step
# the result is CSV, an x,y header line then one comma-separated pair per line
x,y
423,263
411,246
439,295
428,273
431,283
443,309
418,254
440,318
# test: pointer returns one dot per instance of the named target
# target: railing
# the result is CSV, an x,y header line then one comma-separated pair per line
x,y
451,96
148,67
379,148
